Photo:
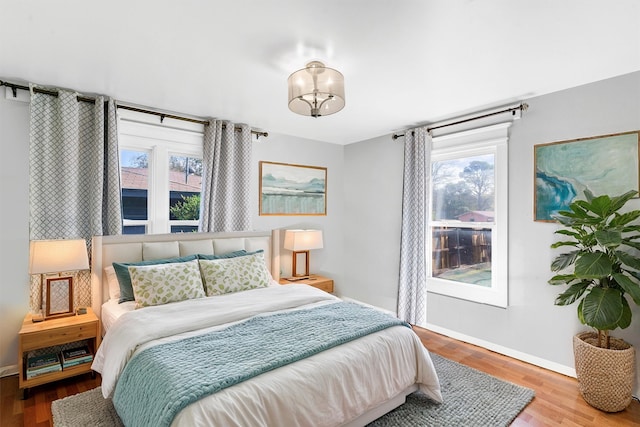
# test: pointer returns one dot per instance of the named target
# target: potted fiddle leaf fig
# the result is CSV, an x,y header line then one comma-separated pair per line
x,y
602,270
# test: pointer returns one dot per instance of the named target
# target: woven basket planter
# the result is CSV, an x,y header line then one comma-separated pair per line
x,y
605,376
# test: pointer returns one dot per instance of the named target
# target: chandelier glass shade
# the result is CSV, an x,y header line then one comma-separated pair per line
x,y
316,90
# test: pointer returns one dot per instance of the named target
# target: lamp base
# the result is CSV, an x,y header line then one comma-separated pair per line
x,y
59,315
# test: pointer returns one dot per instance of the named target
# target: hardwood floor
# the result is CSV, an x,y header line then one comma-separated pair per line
x,y
557,402
35,411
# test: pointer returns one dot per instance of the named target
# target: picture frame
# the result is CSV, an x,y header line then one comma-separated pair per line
x,y
563,170
59,297
290,189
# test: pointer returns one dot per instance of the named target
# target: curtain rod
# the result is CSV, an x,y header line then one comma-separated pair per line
x,y
522,107
186,119
14,87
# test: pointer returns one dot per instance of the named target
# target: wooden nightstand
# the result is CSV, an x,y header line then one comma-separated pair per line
x,y
54,333
320,282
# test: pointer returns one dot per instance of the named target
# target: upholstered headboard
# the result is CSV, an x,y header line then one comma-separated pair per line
x,y
140,247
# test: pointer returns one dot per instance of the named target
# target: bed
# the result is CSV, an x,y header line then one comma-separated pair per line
x,y
218,353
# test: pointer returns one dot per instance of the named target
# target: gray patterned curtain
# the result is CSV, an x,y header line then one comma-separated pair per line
x,y
226,172
74,172
412,290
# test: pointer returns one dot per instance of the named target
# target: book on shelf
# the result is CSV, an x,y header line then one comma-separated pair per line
x,y
31,373
76,356
42,361
44,364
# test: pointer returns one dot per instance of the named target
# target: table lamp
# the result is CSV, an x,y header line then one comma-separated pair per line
x,y
301,242
57,256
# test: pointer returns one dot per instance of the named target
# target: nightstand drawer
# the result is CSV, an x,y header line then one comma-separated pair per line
x,y
50,337
325,285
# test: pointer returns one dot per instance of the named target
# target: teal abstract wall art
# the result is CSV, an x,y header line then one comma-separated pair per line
x,y
605,164
287,189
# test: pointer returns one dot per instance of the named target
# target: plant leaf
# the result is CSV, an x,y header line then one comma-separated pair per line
x,y
625,320
588,194
564,220
602,308
632,228
593,265
628,260
564,260
573,293
635,274
619,201
580,315
580,213
625,218
562,279
608,238
629,286
580,207
564,243
573,234
635,245
600,205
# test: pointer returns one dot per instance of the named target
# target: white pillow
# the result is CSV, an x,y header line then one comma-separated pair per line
x,y
112,282
164,283
242,273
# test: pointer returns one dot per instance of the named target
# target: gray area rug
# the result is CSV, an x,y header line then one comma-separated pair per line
x,y
471,398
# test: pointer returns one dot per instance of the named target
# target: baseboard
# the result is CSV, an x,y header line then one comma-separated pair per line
x,y
525,357
6,371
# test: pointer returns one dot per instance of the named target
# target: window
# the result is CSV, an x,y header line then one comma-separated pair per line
x,y
161,173
467,224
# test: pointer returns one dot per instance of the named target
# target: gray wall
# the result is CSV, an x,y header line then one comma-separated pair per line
x,y
532,327
373,209
289,149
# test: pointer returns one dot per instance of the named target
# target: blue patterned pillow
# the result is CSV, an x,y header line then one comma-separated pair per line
x,y
124,278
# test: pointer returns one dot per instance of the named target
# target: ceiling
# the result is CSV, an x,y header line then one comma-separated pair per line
x,y
405,62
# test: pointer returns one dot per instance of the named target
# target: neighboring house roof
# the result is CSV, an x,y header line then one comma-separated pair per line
x,y
483,213
477,216
137,178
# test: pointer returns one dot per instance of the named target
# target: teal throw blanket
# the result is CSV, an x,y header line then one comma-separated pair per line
x,y
160,381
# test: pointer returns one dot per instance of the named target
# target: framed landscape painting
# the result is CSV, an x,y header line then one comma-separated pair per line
x,y
605,164
287,189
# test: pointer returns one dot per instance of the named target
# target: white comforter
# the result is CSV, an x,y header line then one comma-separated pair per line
x,y
328,389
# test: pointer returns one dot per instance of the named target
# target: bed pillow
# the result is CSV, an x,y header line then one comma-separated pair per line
x,y
222,276
164,283
112,282
124,279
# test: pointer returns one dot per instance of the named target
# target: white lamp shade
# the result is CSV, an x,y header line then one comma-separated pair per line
x,y
316,90
303,240
55,256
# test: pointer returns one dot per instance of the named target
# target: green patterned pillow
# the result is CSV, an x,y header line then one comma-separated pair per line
x,y
124,278
164,283
222,276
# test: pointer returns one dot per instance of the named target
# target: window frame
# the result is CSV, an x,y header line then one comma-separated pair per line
x,y
160,139
486,140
